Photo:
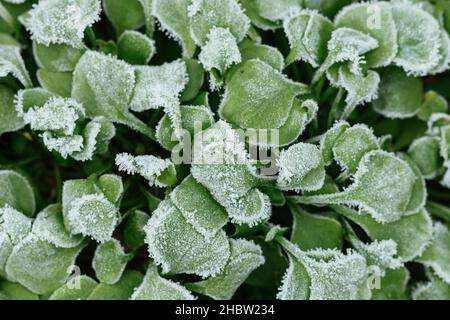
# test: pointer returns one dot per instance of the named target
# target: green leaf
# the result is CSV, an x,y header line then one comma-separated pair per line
x,y
259,97
433,103
49,226
110,261
62,21
301,167
15,291
12,63
245,257
133,233
9,118
104,85
135,47
155,287
191,116
123,15
267,54
173,18
435,289
40,266
425,153
351,146
149,19
58,83
312,231
206,219
277,10
57,57
382,187
377,21
77,288
253,10
308,34
17,192
206,14
179,248
392,285
411,233
418,48
400,96
28,98
196,78
112,187
122,290
436,255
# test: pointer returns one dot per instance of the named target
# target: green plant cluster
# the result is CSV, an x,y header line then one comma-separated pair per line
x,y
97,98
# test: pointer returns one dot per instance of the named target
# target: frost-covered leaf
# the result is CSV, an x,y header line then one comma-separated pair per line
x,y
436,255
149,18
206,14
301,167
278,10
220,51
322,274
329,139
62,21
400,96
411,233
179,248
435,289
346,45
173,18
77,288
392,285
253,10
133,233
444,53
28,98
104,85
207,218
14,226
111,186
110,261
11,62
57,57
155,287
383,187
135,47
161,86
16,192
221,164
122,290
9,119
360,88
191,119
425,153
351,146
124,15
267,54
93,215
377,21
39,265
58,83
312,231
308,34
57,114
418,47
259,97
159,172
245,257
433,103
49,226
